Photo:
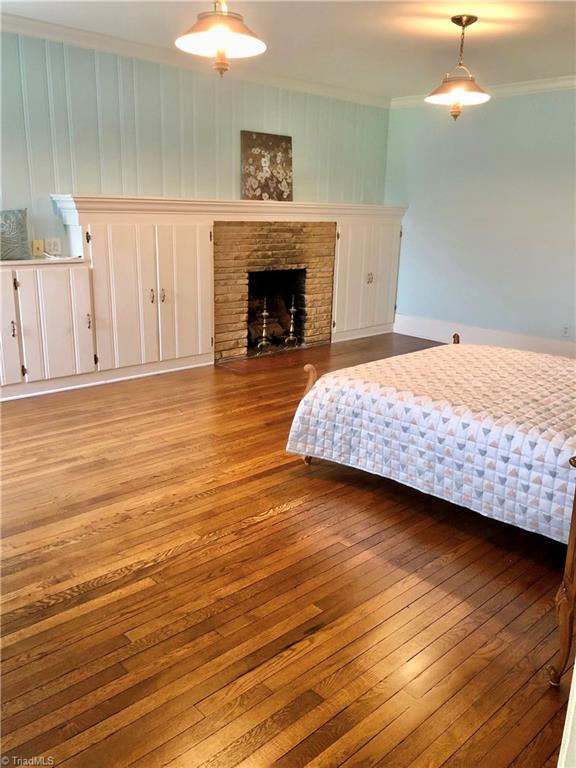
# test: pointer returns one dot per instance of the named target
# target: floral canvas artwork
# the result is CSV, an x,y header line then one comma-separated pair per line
x,y
266,166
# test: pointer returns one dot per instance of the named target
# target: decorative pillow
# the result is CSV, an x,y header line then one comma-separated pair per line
x,y
14,235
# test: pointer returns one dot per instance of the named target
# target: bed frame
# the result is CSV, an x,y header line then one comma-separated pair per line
x,y
566,595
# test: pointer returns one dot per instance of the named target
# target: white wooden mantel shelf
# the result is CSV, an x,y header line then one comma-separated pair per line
x,y
70,207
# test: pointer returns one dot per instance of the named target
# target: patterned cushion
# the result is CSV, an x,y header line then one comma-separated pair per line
x,y
486,428
14,235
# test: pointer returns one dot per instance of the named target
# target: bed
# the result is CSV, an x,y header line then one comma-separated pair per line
x,y
486,428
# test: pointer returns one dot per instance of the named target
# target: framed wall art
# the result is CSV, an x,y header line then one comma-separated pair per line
x,y
266,166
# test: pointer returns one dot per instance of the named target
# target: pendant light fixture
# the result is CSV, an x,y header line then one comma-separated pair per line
x,y
458,88
220,35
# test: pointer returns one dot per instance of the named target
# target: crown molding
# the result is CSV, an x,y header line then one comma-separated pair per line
x,y
70,207
563,83
21,25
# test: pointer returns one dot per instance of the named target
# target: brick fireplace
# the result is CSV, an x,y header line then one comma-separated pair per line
x,y
244,247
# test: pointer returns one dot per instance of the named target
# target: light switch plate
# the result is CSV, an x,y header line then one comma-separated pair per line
x,y
37,247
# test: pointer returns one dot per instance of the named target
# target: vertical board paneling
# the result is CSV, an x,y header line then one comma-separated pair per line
x,y
81,74
91,123
37,129
205,125
171,136
109,123
148,127
17,192
125,75
188,138
60,128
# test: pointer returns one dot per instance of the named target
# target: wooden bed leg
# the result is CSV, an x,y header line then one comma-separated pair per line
x,y
312,379
565,599
455,338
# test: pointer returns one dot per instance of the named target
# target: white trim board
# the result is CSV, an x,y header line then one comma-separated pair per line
x,y
71,207
79,381
442,330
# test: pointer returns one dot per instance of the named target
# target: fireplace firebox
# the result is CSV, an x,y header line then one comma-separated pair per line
x,y
276,309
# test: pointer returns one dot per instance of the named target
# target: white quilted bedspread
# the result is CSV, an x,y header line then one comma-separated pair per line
x,y
487,428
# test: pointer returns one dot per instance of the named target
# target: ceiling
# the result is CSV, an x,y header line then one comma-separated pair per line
x,y
367,51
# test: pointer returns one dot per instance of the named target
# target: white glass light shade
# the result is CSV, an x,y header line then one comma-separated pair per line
x,y
217,32
458,89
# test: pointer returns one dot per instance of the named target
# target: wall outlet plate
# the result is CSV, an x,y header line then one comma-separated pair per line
x,y
37,247
53,246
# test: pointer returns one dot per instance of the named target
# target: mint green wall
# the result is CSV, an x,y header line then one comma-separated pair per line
x,y
75,120
489,236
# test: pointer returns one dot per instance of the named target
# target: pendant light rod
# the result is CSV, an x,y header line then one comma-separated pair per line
x,y
463,20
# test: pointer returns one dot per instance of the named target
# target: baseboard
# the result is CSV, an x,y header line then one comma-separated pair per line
x,y
442,330
362,333
34,388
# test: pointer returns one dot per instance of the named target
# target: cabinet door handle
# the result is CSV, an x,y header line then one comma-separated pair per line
x,y
162,295
89,320
152,296
13,324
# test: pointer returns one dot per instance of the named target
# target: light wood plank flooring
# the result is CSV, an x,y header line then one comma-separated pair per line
x,y
179,591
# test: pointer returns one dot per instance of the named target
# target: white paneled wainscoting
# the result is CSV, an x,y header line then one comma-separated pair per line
x,y
139,299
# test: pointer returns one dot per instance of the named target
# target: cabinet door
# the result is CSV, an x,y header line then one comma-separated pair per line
x,y
10,360
56,321
29,306
185,290
383,269
55,308
83,316
351,276
125,294
366,276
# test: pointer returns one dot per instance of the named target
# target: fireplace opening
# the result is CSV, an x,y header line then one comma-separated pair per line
x,y
276,309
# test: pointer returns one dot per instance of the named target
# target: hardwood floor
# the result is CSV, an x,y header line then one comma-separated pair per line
x,y
178,590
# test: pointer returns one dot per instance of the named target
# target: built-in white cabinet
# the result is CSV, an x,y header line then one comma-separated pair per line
x,y
366,276
47,323
57,318
152,292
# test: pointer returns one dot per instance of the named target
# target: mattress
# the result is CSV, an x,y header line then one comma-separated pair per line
x,y
486,428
